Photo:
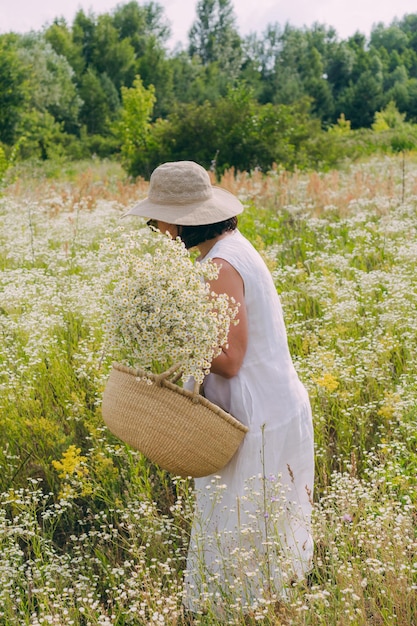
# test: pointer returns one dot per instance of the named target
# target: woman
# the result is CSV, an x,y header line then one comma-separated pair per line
x,y
251,531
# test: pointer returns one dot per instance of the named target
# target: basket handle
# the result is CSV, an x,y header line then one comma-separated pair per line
x,y
174,369
159,378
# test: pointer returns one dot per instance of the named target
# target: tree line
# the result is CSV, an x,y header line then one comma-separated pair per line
x,y
108,85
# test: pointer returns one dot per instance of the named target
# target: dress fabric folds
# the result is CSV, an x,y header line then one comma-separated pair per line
x,y
251,533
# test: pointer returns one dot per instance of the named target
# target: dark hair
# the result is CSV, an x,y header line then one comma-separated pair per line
x,y
193,235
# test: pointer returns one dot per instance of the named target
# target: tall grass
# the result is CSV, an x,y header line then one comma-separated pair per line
x,y
90,531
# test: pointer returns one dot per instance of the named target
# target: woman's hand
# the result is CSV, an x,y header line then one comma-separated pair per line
x,y
230,359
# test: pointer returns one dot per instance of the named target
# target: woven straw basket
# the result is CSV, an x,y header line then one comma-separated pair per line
x,y
178,429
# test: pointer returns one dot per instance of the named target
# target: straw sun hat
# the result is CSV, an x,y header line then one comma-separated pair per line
x,y
181,193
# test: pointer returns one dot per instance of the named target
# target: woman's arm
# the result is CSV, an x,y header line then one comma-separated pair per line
x,y
230,359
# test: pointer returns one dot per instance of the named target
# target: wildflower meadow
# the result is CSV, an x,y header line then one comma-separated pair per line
x,y
92,533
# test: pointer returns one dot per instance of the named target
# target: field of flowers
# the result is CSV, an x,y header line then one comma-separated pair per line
x,y
93,534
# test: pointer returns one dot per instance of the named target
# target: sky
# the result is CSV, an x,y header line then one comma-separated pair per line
x,y
345,16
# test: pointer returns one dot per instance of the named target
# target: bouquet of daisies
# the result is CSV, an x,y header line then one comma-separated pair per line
x,y
160,310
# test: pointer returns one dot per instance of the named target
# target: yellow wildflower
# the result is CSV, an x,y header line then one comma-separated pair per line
x,y
390,404
71,463
327,381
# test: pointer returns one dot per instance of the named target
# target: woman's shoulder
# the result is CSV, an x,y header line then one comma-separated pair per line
x,y
234,243
240,253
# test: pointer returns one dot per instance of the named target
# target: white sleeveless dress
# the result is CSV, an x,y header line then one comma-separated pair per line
x,y
251,530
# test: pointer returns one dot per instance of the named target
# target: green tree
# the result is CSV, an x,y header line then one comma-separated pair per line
x,y
365,93
409,26
13,91
138,23
396,88
188,78
389,117
360,100
411,109
145,29
213,36
4,164
60,36
40,136
50,80
108,51
339,68
155,69
392,38
134,128
112,55
83,29
95,112
235,131
293,65
281,69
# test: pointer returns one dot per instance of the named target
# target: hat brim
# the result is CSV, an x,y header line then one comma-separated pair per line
x,y
221,206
